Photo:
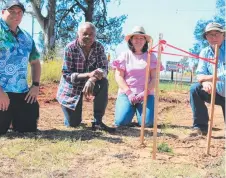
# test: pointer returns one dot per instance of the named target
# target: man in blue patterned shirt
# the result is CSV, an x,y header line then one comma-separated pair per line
x,y
18,102
84,72
200,92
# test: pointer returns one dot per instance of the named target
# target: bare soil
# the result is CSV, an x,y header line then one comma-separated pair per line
x,y
174,126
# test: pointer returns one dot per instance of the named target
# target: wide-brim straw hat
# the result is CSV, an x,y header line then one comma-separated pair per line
x,y
213,26
138,30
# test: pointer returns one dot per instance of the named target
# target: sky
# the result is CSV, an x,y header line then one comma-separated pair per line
x,y
175,19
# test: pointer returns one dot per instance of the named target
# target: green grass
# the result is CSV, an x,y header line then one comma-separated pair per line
x,y
51,72
38,157
164,147
170,86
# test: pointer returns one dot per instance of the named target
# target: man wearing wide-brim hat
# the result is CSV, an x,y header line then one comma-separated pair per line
x,y
200,92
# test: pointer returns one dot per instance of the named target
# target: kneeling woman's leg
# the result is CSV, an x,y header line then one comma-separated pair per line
x,y
149,121
124,110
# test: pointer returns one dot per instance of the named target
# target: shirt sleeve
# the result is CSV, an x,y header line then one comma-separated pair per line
x,y
68,66
120,62
34,52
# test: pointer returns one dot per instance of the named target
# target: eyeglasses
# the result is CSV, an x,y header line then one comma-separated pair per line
x,y
212,35
14,13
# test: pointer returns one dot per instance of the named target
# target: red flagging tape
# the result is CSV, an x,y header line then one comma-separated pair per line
x,y
190,54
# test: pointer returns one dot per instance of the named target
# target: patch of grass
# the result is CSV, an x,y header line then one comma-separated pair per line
x,y
51,71
164,147
170,86
39,157
113,86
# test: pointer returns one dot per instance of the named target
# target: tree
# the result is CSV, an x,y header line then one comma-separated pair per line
x,y
63,16
47,22
198,32
70,13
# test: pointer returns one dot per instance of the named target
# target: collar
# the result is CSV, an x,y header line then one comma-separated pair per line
x,y
221,48
6,27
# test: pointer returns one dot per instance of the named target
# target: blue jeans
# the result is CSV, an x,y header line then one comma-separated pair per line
x,y
124,111
73,118
198,97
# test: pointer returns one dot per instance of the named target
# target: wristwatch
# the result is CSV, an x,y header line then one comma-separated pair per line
x,y
35,84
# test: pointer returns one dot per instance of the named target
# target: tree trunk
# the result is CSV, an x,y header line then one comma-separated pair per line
x,y
90,11
47,23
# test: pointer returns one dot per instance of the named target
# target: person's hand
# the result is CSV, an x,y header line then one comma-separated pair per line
x,y
98,74
207,87
32,95
88,88
139,98
131,96
4,101
200,78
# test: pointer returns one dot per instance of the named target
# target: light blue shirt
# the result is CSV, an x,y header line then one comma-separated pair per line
x,y
206,68
15,53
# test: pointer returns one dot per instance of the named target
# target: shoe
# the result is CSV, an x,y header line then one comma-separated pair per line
x,y
103,127
198,132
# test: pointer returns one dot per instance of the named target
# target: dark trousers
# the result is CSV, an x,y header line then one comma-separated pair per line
x,y
21,114
198,97
73,118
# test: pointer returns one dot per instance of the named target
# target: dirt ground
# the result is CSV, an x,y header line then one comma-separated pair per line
x,y
174,126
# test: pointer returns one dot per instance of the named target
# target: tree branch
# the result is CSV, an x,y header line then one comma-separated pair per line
x,y
81,6
66,13
38,13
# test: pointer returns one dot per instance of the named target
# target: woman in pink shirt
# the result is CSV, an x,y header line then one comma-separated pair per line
x,y
130,69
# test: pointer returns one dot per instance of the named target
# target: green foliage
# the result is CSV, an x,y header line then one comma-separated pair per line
x,y
70,13
199,28
163,147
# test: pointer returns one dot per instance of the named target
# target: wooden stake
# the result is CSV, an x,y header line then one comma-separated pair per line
x,y
181,83
192,74
156,98
147,76
213,96
175,84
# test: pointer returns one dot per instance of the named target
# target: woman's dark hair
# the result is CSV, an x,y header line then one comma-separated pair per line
x,y
130,45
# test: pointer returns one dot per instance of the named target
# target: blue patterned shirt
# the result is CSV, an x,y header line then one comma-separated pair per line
x,y
15,52
206,68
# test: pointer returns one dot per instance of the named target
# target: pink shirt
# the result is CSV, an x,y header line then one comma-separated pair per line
x,y
134,67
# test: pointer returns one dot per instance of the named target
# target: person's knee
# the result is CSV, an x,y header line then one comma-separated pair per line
x,y
149,123
121,122
103,83
73,122
3,131
27,126
195,87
